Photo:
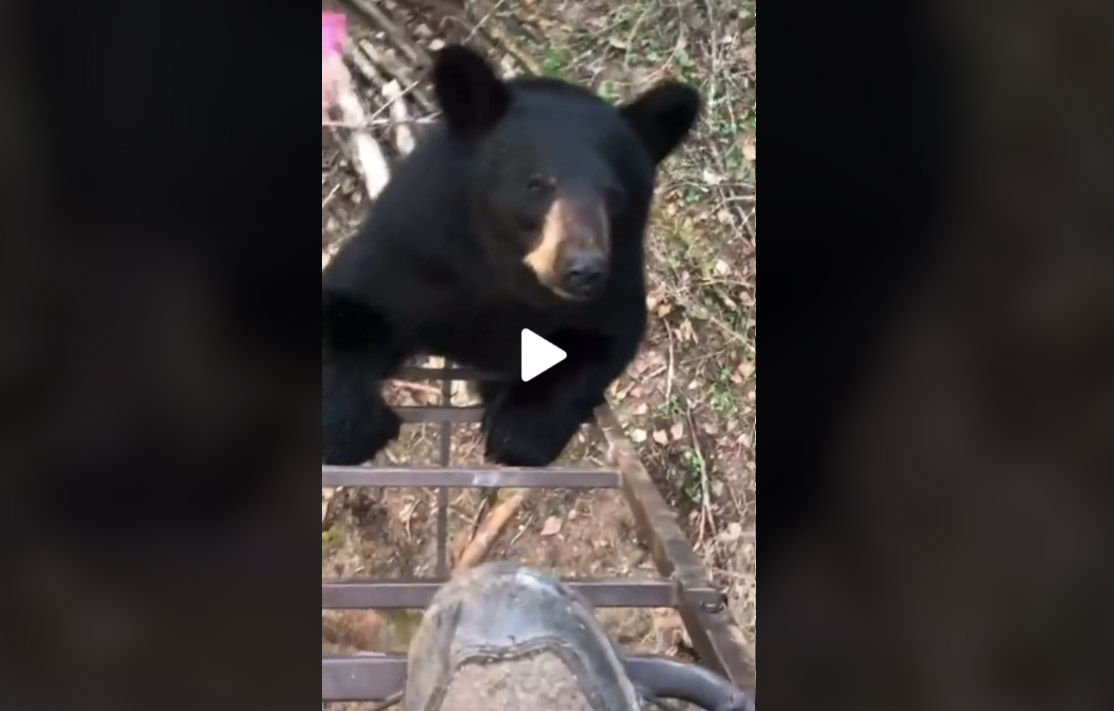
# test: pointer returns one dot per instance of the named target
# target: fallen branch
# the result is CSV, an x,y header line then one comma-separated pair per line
x,y
404,137
366,67
414,53
707,518
399,71
502,38
369,159
338,93
489,531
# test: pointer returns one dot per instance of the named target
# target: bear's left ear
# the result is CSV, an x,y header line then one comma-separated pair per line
x,y
468,91
663,116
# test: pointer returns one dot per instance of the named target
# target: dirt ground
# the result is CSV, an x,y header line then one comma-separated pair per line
x,y
688,401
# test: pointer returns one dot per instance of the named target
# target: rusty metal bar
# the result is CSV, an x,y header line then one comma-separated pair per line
x,y
363,678
422,413
717,640
445,440
415,594
375,677
504,477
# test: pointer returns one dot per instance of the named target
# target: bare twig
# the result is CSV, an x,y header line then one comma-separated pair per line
x,y
372,121
365,67
669,373
483,20
329,197
399,71
706,516
404,137
414,53
369,160
502,38
490,530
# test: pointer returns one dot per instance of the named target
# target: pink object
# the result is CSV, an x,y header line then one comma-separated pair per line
x,y
332,66
333,26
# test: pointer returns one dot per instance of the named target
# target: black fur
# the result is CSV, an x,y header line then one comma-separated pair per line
x,y
437,268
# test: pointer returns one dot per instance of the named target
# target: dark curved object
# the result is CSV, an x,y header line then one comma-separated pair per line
x,y
505,611
665,678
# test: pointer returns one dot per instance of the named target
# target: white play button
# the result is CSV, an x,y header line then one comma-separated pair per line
x,y
538,355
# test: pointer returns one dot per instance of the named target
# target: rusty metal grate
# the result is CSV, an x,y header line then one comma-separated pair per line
x,y
684,583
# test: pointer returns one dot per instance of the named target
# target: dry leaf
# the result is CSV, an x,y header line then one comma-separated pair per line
x,y
750,148
551,527
407,512
661,437
638,436
732,533
686,331
677,430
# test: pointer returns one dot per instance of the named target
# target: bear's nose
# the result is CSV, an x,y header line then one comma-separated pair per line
x,y
585,274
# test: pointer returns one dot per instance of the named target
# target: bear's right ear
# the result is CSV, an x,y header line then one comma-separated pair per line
x,y
663,116
468,91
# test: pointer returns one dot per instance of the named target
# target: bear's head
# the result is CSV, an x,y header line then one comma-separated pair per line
x,y
556,172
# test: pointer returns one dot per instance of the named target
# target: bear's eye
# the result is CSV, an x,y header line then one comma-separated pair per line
x,y
538,185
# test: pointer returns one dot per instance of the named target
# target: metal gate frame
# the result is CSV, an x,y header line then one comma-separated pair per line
x,y
683,584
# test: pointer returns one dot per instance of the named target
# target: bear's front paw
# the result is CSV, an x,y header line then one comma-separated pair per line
x,y
526,434
353,430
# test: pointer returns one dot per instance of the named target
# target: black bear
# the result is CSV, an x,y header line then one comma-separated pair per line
x,y
524,206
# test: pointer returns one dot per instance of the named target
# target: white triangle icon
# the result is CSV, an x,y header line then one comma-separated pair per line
x,y
538,355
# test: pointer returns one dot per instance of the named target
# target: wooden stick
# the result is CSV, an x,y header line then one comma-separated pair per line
x,y
399,70
502,38
404,137
415,54
369,159
489,531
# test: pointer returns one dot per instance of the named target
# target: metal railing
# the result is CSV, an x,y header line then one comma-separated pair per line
x,y
684,583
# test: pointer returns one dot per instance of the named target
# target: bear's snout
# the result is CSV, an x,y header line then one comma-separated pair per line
x,y
570,256
585,273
